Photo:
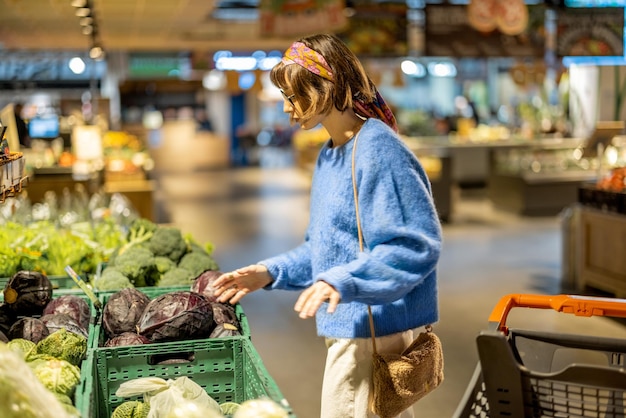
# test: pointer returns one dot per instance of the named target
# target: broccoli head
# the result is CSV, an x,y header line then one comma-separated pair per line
x,y
163,264
197,263
138,265
194,246
168,242
111,279
140,231
176,277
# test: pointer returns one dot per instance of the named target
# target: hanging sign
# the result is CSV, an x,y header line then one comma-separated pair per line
x,y
377,29
590,31
291,18
482,30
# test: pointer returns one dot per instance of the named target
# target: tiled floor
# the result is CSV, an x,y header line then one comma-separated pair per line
x,y
251,213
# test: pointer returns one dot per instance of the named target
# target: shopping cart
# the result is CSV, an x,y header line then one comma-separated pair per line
x,y
524,373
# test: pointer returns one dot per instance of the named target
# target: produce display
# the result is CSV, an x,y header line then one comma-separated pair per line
x,y
23,394
154,255
615,181
154,286
50,334
44,247
183,398
130,317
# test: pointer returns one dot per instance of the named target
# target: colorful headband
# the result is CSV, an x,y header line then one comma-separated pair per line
x,y
299,53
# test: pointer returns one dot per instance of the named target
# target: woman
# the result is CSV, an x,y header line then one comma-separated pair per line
x,y
324,83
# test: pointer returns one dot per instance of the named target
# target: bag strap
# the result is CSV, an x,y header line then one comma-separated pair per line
x,y
428,327
360,233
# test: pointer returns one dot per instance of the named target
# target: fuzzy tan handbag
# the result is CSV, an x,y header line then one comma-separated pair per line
x,y
400,380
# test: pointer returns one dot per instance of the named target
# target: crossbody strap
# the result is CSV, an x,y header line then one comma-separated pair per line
x,y
360,233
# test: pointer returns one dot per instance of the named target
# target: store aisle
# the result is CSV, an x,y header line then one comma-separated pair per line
x,y
252,213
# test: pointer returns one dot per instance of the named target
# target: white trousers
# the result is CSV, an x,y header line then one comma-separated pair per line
x,y
348,374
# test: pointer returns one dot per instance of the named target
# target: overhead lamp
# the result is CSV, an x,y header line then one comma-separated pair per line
x,y
96,52
86,21
87,30
83,12
77,65
78,3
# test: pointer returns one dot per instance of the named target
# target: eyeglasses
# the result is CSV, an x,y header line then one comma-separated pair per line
x,y
288,98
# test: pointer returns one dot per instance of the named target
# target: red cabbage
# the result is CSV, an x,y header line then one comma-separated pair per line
x,y
7,318
28,328
127,338
55,322
224,330
72,305
203,284
224,313
28,292
176,316
123,310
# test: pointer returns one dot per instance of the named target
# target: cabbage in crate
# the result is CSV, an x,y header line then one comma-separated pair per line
x,y
177,316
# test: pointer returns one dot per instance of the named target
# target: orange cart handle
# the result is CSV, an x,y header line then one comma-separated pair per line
x,y
572,304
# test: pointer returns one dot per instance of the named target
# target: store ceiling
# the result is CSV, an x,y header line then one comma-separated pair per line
x,y
134,25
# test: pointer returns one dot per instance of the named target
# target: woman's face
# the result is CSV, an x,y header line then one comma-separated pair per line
x,y
293,107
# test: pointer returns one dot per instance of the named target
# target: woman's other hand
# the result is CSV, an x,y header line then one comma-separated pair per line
x,y
312,298
233,286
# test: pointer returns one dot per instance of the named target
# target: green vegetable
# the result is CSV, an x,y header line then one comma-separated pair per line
x,y
21,346
112,279
64,345
71,410
57,375
197,263
176,277
9,262
168,242
44,247
22,394
63,398
229,408
140,231
194,246
163,264
131,409
137,264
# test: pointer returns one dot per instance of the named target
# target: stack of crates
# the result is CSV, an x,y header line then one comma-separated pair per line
x,y
228,368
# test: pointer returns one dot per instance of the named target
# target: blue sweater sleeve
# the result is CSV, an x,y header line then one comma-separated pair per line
x,y
290,270
401,229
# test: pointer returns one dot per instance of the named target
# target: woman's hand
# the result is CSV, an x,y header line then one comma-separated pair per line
x,y
233,286
312,298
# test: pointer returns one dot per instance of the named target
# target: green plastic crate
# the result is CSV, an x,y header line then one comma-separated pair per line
x,y
94,320
152,292
229,369
58,283
83,396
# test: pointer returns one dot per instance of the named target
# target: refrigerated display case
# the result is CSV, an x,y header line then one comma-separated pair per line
x,y
541,177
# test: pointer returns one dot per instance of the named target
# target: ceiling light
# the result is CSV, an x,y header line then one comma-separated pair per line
x,y
86,21
83,12
78,3
87,30
96,53
77,65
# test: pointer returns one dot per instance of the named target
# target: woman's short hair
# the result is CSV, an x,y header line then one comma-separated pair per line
x,y
317,95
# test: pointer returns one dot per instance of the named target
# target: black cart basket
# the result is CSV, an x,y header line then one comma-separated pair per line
x,y
524,373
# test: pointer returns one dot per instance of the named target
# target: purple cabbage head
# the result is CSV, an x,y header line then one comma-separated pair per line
x,y
177,316
123,310
71,305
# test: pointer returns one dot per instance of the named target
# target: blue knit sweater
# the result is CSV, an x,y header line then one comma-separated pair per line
x,y
396,272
